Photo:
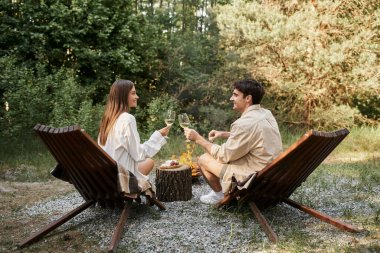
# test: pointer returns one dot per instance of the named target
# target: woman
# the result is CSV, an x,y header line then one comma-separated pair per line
x,y
118,134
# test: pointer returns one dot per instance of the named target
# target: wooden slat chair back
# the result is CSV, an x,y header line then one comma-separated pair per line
x,y
92,172
279,179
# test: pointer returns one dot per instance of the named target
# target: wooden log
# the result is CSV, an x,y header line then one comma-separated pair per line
x,y
173,184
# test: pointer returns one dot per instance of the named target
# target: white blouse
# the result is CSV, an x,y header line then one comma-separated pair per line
x,y
123,144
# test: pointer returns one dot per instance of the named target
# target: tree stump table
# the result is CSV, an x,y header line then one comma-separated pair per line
x,y
173,184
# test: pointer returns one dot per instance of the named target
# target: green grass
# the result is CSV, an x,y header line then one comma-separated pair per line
x,y
25,160
364,139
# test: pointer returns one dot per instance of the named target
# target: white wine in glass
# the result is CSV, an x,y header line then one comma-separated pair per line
x,y
169,117
184,121
169,122
184,124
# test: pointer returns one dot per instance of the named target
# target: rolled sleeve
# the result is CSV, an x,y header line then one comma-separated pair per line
x,y
156,137
236,146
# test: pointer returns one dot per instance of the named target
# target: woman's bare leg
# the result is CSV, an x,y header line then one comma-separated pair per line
x,y
146,166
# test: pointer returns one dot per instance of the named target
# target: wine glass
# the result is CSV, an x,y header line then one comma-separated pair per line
x,y
184,121
169,117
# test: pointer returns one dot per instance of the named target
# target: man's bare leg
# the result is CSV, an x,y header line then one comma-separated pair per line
x,y
211,170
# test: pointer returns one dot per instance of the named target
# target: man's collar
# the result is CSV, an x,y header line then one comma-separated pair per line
x,y
251,108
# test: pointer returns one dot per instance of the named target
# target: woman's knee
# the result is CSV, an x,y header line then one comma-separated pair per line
x,y
146,166
150,162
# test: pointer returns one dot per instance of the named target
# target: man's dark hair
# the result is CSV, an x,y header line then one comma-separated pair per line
x,y
250,87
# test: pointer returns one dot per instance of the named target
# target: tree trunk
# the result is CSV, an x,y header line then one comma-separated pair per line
x,y
174,184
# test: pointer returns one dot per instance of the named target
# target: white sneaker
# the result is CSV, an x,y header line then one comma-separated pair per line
x,y
212,198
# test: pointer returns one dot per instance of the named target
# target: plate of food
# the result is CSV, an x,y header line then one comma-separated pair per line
x,y
170,164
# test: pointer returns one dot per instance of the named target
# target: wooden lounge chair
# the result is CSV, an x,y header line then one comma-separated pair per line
x,y
278,180
92,172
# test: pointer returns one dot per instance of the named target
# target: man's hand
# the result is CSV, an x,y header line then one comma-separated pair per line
x,y
213,134
191,134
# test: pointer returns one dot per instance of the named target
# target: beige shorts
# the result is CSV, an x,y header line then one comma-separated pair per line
x,y
238,172
223,171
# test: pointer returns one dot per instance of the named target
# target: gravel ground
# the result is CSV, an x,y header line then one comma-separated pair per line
x,y
185,226
190,226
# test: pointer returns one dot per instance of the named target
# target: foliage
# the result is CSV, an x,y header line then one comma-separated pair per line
x,y
33,96
215,117
316,56
368,103
155,112
78,113
69,52
73,106
163,48
98,39
27,94
319,60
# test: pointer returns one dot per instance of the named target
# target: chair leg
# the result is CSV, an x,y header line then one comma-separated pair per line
x,y
323,217
263,222
226,200
156,202
51,226
119,227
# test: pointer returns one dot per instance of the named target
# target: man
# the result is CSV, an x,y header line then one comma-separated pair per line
x,y
253,142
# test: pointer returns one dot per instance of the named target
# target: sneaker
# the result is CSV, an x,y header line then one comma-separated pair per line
x,y
212,198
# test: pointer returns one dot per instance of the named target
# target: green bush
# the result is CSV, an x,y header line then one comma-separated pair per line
x,y
152,117
73,106
215,118
28,93
368,103
35,96
334,117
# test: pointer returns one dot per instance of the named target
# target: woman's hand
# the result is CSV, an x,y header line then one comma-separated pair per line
x,y
164,131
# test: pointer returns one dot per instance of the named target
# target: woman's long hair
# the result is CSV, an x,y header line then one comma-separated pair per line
x,y
117,103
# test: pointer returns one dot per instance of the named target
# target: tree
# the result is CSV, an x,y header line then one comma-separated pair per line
x,y
320,59
91,42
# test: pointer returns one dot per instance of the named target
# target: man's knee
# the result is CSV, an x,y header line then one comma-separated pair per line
x,y
208,163
202,160
210,168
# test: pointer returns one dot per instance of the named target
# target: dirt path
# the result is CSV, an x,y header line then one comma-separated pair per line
x,y
13,228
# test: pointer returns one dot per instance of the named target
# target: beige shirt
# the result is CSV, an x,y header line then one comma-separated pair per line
x,y
254,142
